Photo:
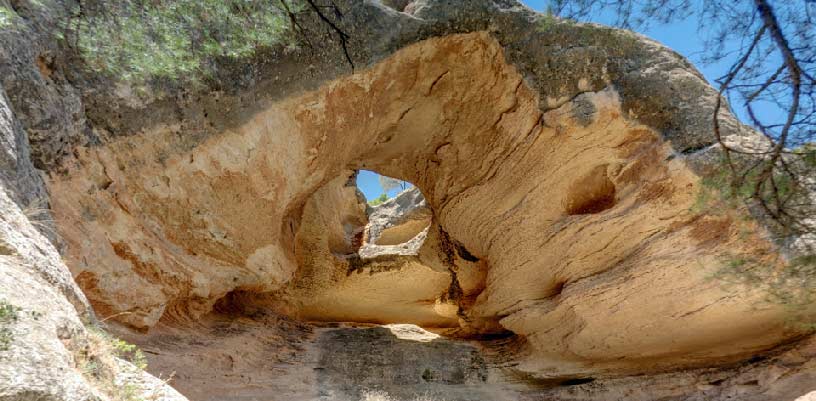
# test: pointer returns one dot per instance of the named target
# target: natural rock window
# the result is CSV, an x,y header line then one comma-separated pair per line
x,y
266,217
399,222
549,247
392,274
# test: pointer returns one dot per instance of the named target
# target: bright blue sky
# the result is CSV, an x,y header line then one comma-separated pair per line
x,y
682,36
685,37
369,183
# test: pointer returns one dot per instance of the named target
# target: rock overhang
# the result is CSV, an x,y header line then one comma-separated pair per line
x,y
560,201
599,269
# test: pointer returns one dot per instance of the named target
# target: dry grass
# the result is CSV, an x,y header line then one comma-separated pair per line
x,y
96,356
39,215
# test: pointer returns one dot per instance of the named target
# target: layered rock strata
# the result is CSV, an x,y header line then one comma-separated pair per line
x,y
560,164
590,243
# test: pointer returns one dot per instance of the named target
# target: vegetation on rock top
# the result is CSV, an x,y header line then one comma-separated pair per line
x,y
138,40
7,17
95,359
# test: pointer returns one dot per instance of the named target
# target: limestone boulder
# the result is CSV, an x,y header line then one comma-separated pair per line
x,y
44,316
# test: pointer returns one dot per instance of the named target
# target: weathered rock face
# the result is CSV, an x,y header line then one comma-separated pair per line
x,y
591,229
44,344
558,166
398,220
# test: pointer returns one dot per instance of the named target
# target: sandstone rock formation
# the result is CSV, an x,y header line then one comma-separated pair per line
x,y
397,220
45,347
556,166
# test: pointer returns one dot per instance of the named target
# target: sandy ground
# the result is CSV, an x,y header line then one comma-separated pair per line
x,y
268,358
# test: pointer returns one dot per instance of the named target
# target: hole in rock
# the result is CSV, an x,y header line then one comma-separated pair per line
x,y
386,265
396,217
577,381
465,254
757,359
558,288
592,193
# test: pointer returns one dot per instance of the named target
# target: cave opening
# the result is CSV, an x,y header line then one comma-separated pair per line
x,y
398,219
378,292
391,250
236,258
407,337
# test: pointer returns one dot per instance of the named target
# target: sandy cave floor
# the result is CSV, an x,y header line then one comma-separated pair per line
x,y
268,358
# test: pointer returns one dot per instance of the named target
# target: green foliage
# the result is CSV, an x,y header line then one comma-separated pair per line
x,y
7,17
789,284
120,348
549,19
810,158
808,153
8,312
96,360
8,315
130,392
130,352
137,40
722,191
378,201
92,368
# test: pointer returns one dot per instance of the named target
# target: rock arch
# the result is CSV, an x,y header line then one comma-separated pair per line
x,y
579,214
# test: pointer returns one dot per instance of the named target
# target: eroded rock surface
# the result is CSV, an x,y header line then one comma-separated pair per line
x,y
403,362
559,164
45,319
396,221
264,357
591,243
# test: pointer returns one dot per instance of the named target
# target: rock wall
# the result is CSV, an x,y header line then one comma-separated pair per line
x,y
45,343
590,244
397,220
560,163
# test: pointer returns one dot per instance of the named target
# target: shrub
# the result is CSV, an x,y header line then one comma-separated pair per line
x,y
95,359
720,189
378,201
130,352
8,315
137,40
117,347
789,284
7,17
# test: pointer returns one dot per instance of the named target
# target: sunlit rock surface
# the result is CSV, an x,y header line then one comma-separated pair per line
x,y
557,167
